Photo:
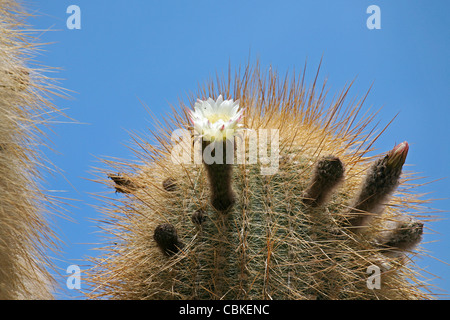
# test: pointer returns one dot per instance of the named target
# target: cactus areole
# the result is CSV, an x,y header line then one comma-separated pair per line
x,y
286,202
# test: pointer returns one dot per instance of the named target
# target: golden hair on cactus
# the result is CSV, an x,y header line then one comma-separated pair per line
x,y
278,225
26,237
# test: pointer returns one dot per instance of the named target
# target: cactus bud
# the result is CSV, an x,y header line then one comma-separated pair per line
x,y
198,217
123,184
219,176
169,185
381,180
396,158
166,237
401,235
328,173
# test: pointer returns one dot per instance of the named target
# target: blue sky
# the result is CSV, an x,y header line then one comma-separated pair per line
x,y
157,51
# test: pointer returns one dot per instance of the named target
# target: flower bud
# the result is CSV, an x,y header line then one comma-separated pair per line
x,y
169,185
401,235
123,184
328,173
166,237
380,182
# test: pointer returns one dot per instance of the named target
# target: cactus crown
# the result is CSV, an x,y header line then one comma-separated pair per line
x,y
229,231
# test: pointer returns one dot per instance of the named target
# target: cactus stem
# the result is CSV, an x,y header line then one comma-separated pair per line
x,y
220,172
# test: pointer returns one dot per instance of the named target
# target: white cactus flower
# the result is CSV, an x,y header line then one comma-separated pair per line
x,y
213,120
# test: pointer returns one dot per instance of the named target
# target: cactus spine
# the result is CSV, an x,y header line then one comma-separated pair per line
x,y
286,235
25,234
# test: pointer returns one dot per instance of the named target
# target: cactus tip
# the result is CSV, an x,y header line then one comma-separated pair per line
x,y
397,156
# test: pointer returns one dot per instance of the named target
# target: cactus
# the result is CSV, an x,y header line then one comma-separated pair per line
x,y
26,236
309,229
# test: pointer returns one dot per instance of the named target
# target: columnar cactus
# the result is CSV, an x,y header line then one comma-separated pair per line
x,y
25,234
303,219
